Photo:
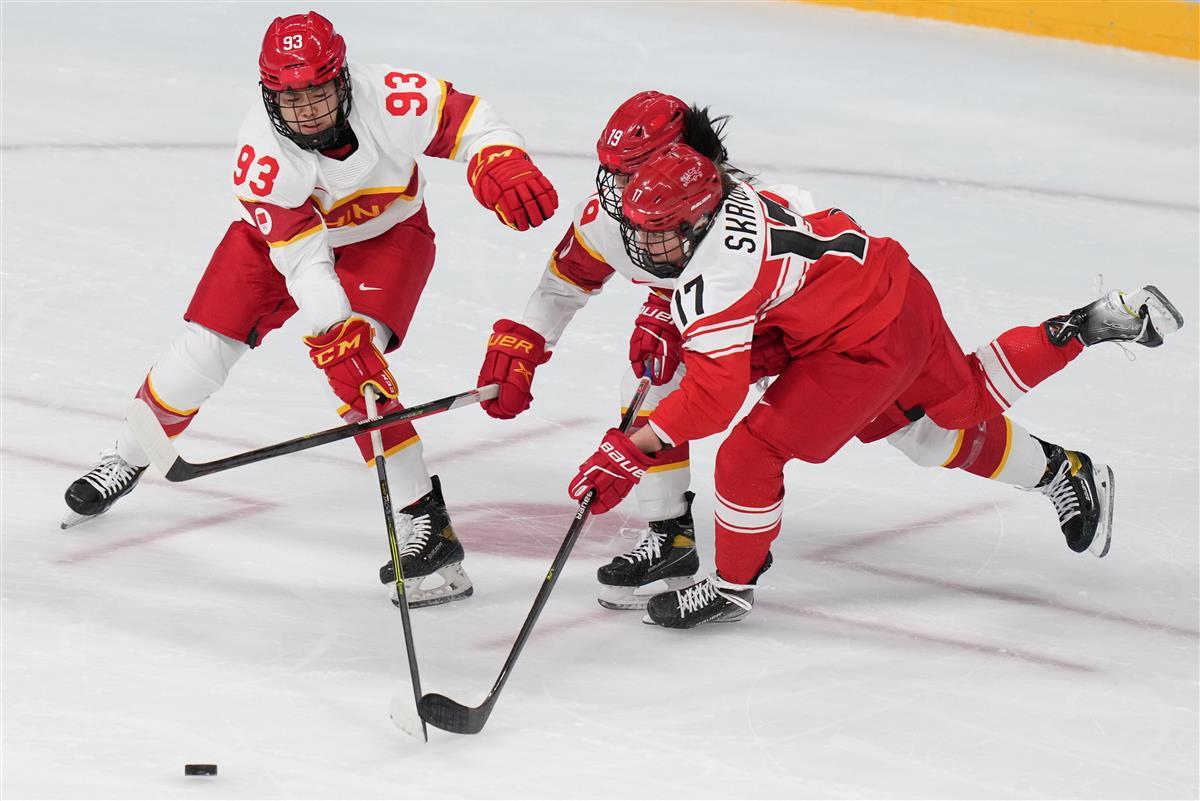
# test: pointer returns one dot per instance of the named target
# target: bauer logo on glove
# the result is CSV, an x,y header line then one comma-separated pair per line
x,y
612,471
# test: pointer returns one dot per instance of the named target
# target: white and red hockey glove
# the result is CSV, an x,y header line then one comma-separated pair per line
x,y
613,470
655,340
768,355
507,182
514,352
347,354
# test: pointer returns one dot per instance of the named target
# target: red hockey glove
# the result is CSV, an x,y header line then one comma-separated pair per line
x,y
351,361
768,354
507,182
655,338
514,351
612,470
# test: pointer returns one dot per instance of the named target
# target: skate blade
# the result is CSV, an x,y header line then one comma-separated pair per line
x,y
636,598
1165,317
72,519
456,586
1106,485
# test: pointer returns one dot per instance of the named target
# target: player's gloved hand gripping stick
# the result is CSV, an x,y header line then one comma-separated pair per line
x,y
448,714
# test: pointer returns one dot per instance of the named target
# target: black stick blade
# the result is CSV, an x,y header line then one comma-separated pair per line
x,y
449,715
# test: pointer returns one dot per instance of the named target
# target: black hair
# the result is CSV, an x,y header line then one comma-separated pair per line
x,y
705,134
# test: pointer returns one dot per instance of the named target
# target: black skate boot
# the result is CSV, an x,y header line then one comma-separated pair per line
x,y
1082,494
431,547
711,600
97,490
1144,317
666,553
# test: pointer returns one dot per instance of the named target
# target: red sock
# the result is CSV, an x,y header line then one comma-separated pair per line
x,y
749,507
394,437
173,420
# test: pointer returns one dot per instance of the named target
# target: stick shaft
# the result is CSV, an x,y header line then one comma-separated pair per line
x,y
389,517
452,716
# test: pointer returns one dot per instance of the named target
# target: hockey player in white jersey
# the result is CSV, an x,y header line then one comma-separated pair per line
x,y
330,221
589,254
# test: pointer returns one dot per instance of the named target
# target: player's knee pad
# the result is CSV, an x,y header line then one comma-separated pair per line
x,y
749,466
193,368
925,442
660,492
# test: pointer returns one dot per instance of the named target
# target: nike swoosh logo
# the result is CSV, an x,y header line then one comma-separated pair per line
x,y
364,288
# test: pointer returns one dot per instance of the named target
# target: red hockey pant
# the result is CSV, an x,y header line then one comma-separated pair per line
x,y
822,400
242,296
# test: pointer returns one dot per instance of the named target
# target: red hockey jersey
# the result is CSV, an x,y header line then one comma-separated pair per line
x,y
819,278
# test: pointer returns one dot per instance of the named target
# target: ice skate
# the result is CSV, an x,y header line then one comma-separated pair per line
x,y
1144,317
1082,494
431,549
711,600
94,493
663,559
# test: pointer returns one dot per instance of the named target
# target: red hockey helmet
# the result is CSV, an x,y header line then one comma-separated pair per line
x,y
667,206
300,51
303,52
640,127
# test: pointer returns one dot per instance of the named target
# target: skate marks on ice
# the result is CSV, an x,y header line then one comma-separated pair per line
x,y
771,168
838,555
245,507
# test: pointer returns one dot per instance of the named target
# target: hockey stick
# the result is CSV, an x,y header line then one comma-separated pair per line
x,y
154,441
389,517
450,715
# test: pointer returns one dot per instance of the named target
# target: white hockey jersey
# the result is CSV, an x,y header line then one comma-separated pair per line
x,y
305,204
590,253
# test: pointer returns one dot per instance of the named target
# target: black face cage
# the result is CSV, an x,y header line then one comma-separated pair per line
x,y
642,255
324,139
610,193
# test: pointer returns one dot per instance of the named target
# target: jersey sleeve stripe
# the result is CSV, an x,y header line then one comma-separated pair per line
x,y
560,274
441,109
729,351
700,330
458,135
453,112
583,244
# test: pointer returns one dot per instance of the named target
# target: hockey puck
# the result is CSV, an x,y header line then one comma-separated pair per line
x,y
199,770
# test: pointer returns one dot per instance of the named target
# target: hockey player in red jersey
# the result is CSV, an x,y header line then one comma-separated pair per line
x,y
331,223
865,351
592,251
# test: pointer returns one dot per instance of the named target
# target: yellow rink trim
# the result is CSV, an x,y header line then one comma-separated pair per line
x,y
1168,27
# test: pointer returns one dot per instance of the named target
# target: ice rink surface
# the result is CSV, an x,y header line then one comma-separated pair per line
x,y
922,634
